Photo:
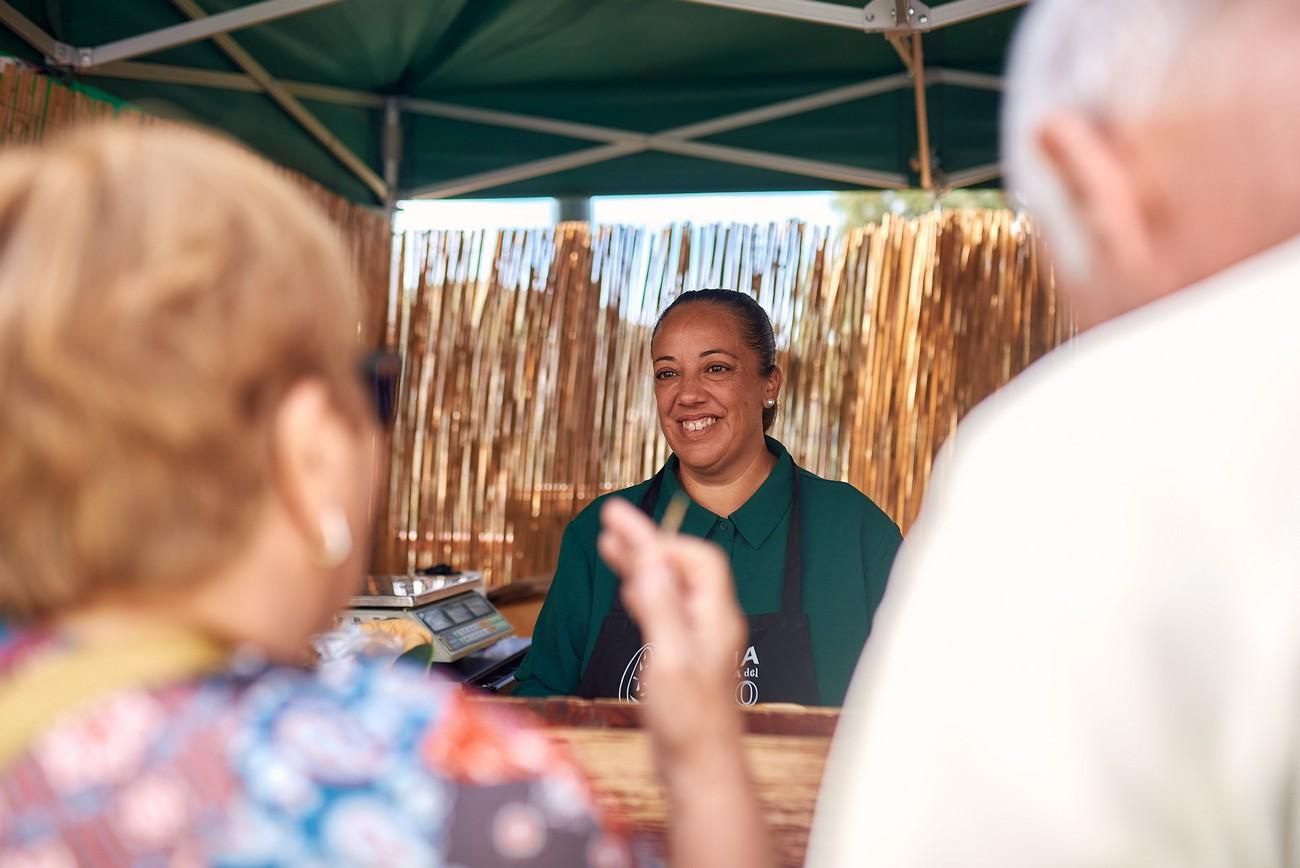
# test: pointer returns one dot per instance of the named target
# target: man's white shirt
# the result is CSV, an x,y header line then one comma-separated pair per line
x,y
1089,653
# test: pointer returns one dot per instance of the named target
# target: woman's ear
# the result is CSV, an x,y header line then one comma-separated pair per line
x,y
772,389
312,448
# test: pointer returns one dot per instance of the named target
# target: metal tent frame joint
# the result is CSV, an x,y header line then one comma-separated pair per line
x,y
885,14
207,27
895,16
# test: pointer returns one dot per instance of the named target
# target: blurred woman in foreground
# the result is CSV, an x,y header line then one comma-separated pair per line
x,y
186,470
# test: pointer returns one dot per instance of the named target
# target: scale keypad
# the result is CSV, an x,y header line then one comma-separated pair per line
x,y
475,631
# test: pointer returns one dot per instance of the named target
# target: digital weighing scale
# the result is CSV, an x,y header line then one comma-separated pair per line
x,y
451,610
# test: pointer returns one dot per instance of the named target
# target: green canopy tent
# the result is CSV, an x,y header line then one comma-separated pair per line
x,y
381,100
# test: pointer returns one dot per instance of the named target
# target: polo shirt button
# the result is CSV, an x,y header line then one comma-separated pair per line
x,y
724,526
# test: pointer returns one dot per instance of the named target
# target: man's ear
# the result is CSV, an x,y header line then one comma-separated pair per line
x,y
1097,178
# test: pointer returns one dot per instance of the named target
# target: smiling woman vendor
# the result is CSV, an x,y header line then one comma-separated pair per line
x,y
810,556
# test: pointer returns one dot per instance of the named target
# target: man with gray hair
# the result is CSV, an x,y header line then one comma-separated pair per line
x,y
1090,650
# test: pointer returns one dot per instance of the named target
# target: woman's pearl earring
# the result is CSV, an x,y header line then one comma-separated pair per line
x,y
336,537
771,402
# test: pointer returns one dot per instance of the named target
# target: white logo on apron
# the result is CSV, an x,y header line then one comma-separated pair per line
x,y
631,687
747,689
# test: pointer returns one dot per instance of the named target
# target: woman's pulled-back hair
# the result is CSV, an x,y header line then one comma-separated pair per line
x,y
755,327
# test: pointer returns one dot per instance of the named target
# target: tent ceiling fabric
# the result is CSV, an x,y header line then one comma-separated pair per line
x,y
628,66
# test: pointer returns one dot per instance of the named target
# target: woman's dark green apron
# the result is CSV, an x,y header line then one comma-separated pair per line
x,y
776,665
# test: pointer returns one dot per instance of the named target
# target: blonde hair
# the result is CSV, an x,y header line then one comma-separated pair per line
x,y
160,291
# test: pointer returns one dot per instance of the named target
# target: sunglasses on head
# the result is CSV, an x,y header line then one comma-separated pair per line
x,y
381,371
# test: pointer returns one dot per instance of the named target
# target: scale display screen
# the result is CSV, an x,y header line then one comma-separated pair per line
x,y
436,619
458,612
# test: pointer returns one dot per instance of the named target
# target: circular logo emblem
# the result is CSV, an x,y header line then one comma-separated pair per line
x,y
631,687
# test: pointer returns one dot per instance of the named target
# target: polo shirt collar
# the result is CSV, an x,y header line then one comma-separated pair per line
x,y
756,518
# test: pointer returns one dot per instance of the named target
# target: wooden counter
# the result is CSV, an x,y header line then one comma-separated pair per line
x,y
786,746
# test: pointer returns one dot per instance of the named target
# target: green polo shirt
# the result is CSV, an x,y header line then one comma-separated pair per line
x,y
848,548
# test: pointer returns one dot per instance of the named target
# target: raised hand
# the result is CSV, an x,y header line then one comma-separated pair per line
x,y
680,591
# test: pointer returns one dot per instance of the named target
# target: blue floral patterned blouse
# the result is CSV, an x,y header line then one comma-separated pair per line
x,y
355,765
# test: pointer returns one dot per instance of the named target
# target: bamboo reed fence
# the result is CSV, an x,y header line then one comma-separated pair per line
x,y
527,389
